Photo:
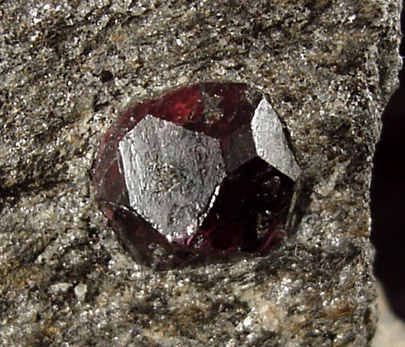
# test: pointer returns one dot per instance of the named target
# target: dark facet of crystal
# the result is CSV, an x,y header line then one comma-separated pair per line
x,y
198,173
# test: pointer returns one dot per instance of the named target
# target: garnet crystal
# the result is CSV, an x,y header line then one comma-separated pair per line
x,y
198,173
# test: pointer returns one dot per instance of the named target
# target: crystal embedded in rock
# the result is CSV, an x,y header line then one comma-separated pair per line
x,y
202,170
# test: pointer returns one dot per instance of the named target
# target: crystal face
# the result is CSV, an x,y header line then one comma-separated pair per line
x,y
171,174
199,173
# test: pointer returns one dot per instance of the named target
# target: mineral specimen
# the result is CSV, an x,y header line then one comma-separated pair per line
x,y
66,69
205,167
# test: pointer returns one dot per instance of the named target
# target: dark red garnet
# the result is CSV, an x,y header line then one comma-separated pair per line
x,y
201,172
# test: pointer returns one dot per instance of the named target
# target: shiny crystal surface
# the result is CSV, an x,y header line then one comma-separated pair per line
x,y
200,172
171,174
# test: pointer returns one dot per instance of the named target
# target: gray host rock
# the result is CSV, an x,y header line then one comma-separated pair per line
x,y
67,69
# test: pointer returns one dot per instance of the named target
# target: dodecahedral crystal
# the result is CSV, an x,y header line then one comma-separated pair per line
x,y
200,172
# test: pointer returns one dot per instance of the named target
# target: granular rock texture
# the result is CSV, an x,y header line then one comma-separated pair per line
x,y
67,69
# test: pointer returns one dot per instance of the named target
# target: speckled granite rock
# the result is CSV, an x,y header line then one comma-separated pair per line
x,y
66,71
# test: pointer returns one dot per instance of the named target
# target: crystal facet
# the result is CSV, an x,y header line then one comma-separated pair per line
x,y
198,173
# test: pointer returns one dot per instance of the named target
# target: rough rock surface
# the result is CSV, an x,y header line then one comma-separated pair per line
x,y
67,68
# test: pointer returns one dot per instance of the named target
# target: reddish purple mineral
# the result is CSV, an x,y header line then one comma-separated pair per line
x,y
198,173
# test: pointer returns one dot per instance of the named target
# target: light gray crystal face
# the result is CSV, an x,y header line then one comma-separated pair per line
x,y
171,174
271,143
